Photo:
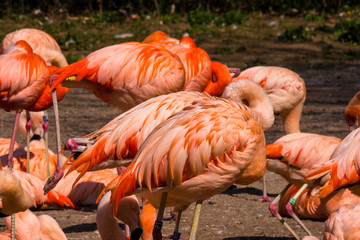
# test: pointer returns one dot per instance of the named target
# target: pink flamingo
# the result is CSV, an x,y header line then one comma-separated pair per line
x,y
343,223
30,227
294,156
136,125
42,44
129,213
286,90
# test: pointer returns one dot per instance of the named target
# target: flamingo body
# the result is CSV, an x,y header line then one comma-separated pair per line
x,y
199,152
295,155
125,75
42,44
314,207
343,223
286,90
342,169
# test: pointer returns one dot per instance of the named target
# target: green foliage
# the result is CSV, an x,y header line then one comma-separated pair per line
x,y
234,17
348,31
170,19
224,51
199,17
313,17
292,33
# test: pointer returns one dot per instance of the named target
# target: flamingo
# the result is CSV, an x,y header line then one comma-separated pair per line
x,y
193,174
352,112
128,212
343,168
108,146
42,44
314,207
23,78
117,142
294,156
32,227
13,197
343,223
286,90
161,39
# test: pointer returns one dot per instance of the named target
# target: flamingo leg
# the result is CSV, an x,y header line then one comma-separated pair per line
x,y
157,235
289,209
273,210
58,174
265,197
195,223
12,141
46,139
176,235
11,163
28,127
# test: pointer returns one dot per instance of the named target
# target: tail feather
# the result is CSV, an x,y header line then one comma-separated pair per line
x,y
59,199
125,186
274,150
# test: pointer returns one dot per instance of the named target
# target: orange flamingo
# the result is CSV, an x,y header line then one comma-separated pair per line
x,y
46,47
352,112
202,166
136,125
42,44
117,143
314,207
343,168
30,227
294,156
286,91
23,78
343,223
87,190
160,38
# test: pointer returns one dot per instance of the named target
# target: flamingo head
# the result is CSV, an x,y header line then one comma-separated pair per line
x,y
352,112
221,77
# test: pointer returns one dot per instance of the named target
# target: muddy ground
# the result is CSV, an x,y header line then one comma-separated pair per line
x,y
331,76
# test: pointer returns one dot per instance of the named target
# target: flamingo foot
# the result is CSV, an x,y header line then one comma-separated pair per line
x,y
157,235
273,209
52,181
265,198
289,209
176,236
170,217
136,234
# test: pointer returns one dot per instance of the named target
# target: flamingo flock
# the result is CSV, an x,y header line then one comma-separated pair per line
x,y
189,129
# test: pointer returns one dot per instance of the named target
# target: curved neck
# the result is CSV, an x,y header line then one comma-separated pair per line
x,y
251,94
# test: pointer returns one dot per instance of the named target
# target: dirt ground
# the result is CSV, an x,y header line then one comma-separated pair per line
x,y
331,78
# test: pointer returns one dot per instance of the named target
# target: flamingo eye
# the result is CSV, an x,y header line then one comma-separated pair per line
x,y
214,79
245,102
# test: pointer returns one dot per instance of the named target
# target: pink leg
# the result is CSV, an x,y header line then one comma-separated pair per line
x,y
58,174
265,196
28,127
12,142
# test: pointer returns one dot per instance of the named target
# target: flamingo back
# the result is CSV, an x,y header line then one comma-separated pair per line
x,y
344,165
210,138
343,223
285,87
126,74
121,138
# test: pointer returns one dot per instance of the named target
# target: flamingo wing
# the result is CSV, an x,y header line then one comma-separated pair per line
x,y
210,136
343,165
